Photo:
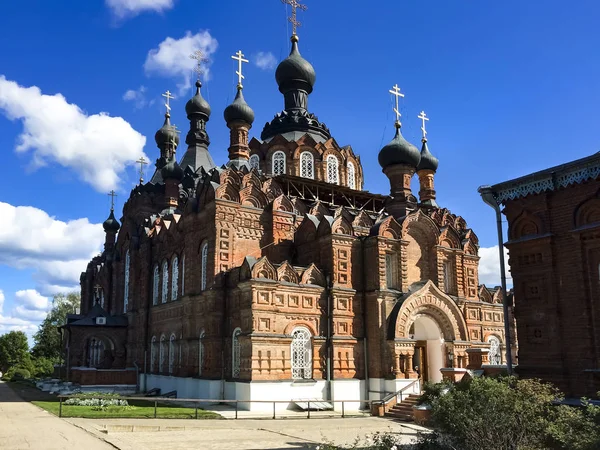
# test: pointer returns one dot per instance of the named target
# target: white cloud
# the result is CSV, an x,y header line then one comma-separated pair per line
x,y
172,57
97,147
265,60
130,8
489,266
12,323
138,97
57,251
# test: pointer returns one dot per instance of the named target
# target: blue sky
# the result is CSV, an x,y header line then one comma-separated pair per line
x,y
510,87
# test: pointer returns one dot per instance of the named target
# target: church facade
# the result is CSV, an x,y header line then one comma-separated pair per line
x,y
276,276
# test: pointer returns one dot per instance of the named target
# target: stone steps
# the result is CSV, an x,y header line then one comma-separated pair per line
x,y
403,411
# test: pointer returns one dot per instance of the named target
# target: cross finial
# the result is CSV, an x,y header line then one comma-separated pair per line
x,y
295,4
112,195
395,91
200,58
142,162
168,96
239,57
423,118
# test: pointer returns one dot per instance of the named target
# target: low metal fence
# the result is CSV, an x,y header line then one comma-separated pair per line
x,y
165,401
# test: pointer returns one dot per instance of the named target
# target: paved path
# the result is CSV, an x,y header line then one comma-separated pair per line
x,y
246,434
25,426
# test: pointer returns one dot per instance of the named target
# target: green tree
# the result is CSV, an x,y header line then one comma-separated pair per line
x,y
47,340
14,349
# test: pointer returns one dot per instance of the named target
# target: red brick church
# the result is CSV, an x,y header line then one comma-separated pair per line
x,y
275,276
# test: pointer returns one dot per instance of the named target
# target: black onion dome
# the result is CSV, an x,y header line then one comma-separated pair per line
x,y
239,110
399,151
172,170
428,161
111,224
166,134
294,72
197,104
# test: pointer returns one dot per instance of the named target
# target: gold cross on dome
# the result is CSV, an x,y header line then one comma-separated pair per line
x,y
295,4
112,195
142,162
239,57
168,96
423,118
395,91
200,59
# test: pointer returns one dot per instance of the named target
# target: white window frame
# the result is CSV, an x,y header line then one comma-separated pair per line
x,y
200,353
351,175
333,169
126,293
152,353
307,165
172,340
183,275
175,278
301,354
156,283
165,282
254,162
278,159
203,268
495,353
236,353
161,353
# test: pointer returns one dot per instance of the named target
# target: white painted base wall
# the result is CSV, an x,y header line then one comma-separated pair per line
x,y
380,387
252,395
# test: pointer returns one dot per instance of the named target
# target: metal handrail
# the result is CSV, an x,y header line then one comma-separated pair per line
x,y
385,400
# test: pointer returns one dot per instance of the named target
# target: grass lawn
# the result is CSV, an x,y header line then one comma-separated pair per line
x,y
141,409
145,411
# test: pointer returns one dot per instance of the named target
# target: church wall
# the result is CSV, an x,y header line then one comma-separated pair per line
x,y
555,274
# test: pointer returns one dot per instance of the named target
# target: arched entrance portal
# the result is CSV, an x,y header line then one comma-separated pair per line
x,y
429,353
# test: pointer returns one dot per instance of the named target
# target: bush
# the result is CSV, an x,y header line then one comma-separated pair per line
x,y
20,374
42,367
433,391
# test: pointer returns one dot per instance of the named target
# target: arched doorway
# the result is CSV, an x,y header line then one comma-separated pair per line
x,y
429,353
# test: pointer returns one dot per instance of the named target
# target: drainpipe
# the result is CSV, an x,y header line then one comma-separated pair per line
x,y
363,276
329,296
490,199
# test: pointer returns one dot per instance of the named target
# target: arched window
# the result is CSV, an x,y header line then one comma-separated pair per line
x,y
153,350
161,354
174,278
171,354
204,261
301,354
165,282
307,165
126,293
183,275
155,285
254,162
333,173
278,163
235,353
95,352
200,353
351,175
448,276
495,355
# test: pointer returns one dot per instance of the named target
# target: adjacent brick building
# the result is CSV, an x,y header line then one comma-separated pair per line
x,y
554,246
276,276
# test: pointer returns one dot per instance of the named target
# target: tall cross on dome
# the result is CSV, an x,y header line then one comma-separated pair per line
x,y
112,195
423,118
200,58
142,162
395,91
295,4
168,96
239,57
